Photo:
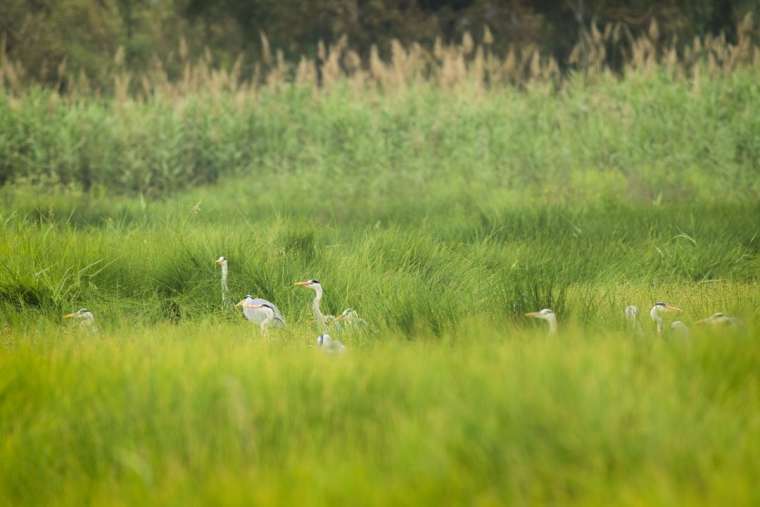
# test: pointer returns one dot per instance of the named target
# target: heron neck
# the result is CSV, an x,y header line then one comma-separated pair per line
x,y
225,288
657,320
315,306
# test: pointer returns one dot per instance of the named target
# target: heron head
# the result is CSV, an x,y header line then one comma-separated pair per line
x,y
246,301
82,313
664,307
310,284
545,314
221,261
323,339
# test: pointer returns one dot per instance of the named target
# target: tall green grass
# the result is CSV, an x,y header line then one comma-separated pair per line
x,y
401,268
639,139
441,214
201,414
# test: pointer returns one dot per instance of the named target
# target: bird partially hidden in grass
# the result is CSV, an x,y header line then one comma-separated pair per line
x,y
632,316
261,312
547,315
253,309
330,345
657,312
84,316
266,309
347,317
720,319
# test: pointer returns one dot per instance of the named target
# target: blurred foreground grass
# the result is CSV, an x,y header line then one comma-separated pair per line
x,y
210,414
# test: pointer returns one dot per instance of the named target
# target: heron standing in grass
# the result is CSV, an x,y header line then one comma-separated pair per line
x,y
657,312
547,315
261,311
265,309
348,315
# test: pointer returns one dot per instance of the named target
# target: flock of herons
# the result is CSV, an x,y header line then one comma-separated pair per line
x,y
266,314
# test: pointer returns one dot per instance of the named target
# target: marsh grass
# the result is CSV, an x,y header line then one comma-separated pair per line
x,y
672,123
442,195
209,413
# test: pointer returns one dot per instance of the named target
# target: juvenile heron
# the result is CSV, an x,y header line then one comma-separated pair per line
x,y
348,315
659,309
720,319
258,310
547,315
84,316
330,345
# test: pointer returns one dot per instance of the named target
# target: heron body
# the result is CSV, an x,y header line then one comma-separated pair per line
x,y
258,310
263,309
329,344
547,315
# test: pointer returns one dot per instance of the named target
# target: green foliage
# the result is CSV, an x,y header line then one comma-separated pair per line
x,y
442,216
207,414
646,137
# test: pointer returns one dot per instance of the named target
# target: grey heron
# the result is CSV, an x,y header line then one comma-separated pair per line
x,y
547,315
659,309
348,315
266,309
258,310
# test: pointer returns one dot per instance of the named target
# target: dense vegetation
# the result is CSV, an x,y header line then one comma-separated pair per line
x,y
442,202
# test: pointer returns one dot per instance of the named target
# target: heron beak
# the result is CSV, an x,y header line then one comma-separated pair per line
x,y
702,322
533,315
70,315
671,308
240,303
301,284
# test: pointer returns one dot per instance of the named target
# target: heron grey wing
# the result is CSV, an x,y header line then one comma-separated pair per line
x,y
277,313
